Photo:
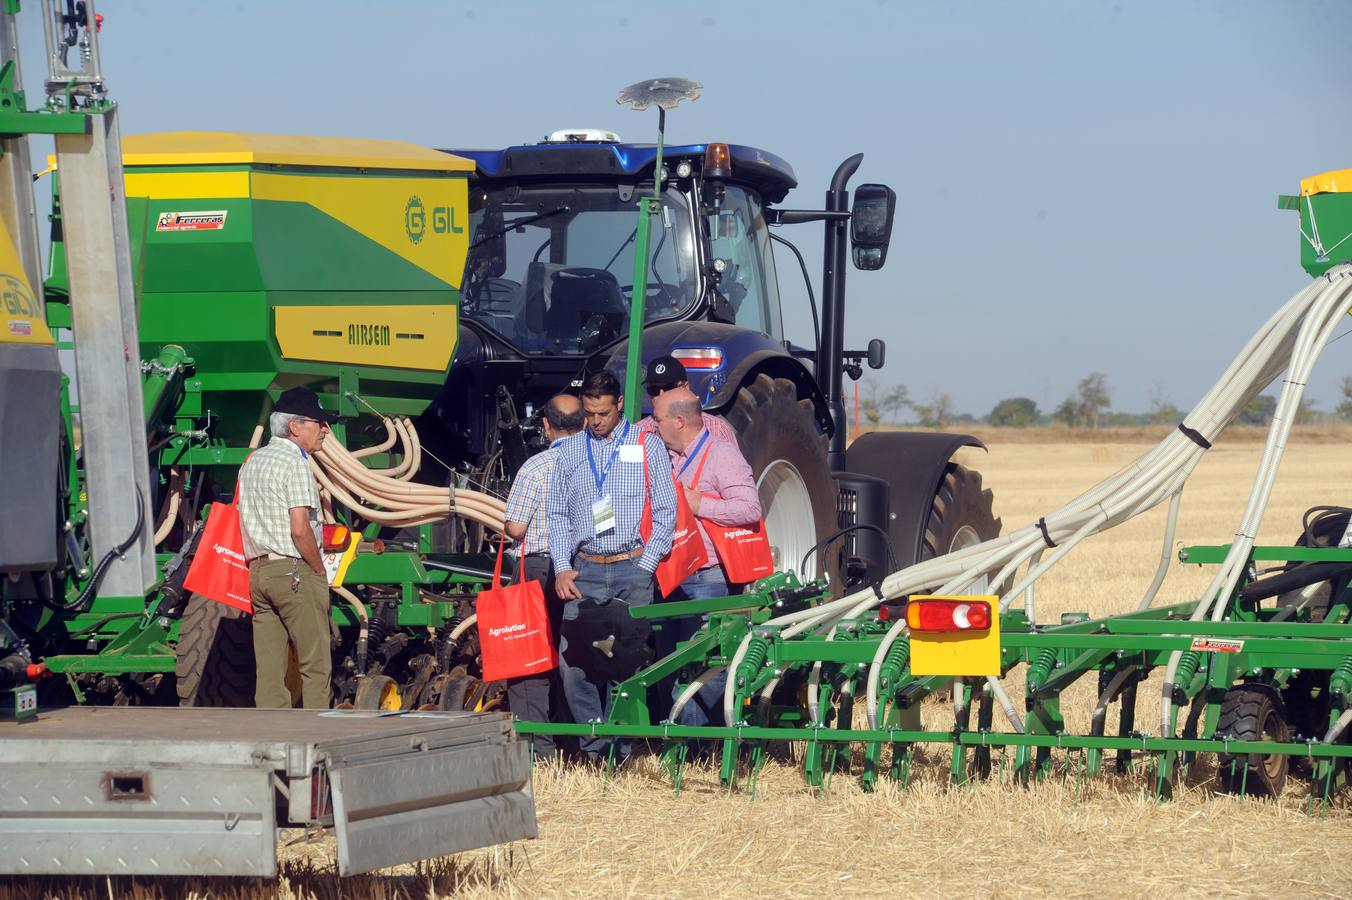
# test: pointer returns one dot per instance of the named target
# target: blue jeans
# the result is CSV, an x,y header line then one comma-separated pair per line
x,y
708,703
589,699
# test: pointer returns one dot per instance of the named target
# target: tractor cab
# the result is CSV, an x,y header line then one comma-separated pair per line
x,y
553,228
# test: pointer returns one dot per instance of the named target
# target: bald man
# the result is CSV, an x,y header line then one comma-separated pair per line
x,y
530,698
720,488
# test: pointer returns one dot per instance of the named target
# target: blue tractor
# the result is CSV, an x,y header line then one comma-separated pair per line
x,y
545,301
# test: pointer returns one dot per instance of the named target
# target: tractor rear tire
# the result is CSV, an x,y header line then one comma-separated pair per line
x,y
215,655
962,513
778,436
1253,712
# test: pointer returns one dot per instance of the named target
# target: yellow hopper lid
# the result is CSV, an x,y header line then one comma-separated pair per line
x,y
207,148
1336,182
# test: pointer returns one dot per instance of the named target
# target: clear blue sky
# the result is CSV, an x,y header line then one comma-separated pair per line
x,y
1083,186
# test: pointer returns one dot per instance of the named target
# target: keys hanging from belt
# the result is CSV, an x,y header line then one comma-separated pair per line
x,y
295,577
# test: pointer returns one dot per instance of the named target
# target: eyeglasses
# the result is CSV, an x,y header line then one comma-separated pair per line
x,y
320,422
657,390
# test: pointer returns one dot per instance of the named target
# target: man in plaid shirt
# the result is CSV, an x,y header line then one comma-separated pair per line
x,y
595,503
279,522
529,697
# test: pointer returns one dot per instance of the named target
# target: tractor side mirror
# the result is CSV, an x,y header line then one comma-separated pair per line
x,y
877,353
871,225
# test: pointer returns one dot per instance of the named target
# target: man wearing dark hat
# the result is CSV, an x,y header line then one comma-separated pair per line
x,y
279,521
667,373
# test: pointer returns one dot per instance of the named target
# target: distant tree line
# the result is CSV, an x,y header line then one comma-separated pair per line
x,y
1088,406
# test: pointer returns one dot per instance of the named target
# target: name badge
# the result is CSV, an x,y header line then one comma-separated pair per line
x,y
631,453
603,515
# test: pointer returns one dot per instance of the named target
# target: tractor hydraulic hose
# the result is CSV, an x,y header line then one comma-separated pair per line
x,y
1338,727
1284,342
1293,579
171,504
390,438
1106,697
693,688
101,568
1166,553
363,623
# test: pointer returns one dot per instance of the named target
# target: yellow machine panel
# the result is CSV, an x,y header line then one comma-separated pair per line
x,y
400,337
21,318
958,652
420,219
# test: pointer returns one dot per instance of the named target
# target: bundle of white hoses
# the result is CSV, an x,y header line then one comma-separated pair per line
x,y
1291,340
389,496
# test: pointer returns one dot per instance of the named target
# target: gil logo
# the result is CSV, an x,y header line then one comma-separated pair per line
x,y
415,219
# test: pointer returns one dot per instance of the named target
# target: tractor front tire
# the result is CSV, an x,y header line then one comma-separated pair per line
x,y
778,435
215,655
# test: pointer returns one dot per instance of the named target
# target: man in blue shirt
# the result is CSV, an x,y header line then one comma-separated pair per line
x,y
532,697
595,507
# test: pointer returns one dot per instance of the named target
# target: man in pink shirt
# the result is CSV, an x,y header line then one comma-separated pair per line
x,y
717,482
666,373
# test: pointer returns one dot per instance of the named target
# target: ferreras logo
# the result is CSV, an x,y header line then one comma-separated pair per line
x,y
209,220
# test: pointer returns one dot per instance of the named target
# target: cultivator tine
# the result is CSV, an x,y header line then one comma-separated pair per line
x,y
758,757
674,755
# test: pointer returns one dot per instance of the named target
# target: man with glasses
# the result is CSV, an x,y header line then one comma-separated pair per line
x,y
667,373
279,521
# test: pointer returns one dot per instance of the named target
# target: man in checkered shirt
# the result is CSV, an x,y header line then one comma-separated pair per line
x,y
594,505
279,521
529,697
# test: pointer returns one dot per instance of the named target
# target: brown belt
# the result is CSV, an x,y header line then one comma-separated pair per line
x,y
269,557
613,557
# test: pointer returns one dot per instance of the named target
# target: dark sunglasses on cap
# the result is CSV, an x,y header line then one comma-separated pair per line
x,y
657,390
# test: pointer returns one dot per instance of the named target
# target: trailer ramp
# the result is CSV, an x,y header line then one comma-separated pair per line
x,y
151,791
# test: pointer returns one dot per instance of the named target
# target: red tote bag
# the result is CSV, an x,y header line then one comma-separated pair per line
x,y
218,569
515,638
687,554
743,550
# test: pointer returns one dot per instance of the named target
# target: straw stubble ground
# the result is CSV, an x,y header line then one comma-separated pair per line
x,y
1072,837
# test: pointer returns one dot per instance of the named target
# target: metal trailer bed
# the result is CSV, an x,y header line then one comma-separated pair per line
x,y
176,791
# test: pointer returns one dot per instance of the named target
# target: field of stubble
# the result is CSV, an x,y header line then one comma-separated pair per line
x,y
632,836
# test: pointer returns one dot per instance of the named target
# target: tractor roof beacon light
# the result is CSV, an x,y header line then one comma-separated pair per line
x,y
717,161
666,93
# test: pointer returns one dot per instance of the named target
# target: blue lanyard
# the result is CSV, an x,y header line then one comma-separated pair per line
x,y
600,476
693,453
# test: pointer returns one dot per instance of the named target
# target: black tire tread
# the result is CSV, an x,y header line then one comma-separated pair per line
x,y
771,421
960,500
1241,719
214,664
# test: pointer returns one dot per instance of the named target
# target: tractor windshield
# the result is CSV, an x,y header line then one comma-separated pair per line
x,y
551,268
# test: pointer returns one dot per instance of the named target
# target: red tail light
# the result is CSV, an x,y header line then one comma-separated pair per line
x,y
948,615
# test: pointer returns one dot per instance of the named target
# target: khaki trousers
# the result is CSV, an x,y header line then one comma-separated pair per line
x,y
299,615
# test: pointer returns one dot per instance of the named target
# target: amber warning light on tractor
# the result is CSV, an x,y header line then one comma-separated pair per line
x,y
717,161
948,615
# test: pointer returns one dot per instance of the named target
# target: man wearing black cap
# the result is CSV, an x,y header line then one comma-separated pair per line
x,y
667,373
279,521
